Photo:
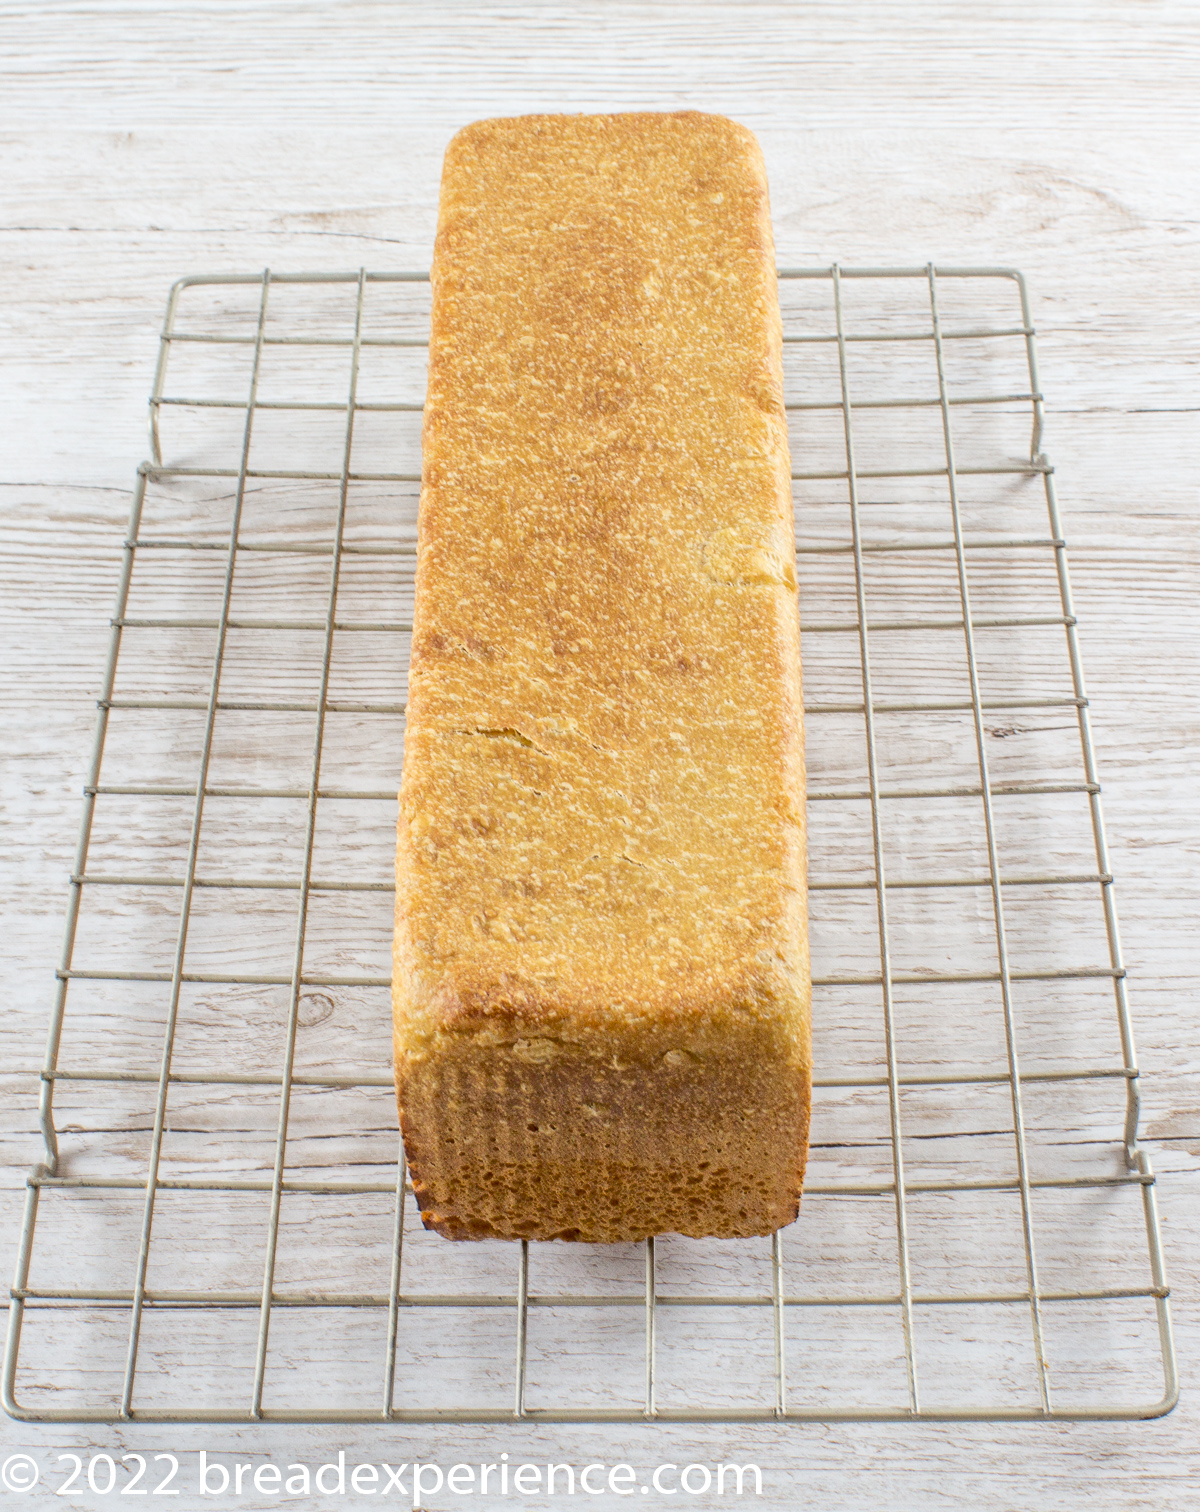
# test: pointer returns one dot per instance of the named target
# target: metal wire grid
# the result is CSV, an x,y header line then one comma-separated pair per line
x,y
138,1299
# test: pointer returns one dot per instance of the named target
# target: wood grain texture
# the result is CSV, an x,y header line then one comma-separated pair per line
x,y
143,142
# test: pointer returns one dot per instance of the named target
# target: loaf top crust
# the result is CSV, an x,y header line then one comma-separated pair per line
x,y
601,835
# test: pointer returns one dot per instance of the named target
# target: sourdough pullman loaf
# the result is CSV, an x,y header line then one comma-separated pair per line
x,y
601,966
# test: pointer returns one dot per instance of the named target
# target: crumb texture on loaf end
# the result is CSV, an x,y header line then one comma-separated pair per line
x,y
601,962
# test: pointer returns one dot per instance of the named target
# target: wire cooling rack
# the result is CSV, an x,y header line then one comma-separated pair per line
x,y
222,1229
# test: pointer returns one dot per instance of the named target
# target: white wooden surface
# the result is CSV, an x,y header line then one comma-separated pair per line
x,y
146,141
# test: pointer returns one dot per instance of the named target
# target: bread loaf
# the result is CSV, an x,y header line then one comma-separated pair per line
x,y
601,964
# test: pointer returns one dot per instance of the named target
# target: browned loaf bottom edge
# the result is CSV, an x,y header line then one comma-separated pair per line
x,y
575,1149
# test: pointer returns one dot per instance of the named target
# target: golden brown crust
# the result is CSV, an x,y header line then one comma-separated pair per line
x,y
601,969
